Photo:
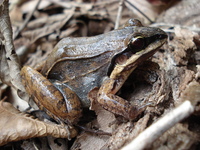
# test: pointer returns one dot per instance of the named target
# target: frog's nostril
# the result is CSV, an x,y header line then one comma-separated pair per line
x,y
162,36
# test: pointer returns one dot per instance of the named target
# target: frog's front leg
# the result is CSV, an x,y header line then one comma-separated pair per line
x,y
115,104
58,101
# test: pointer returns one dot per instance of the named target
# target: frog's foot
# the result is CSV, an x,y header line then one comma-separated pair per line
x,y
137,110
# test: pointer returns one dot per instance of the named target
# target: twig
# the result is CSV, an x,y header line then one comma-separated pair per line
x,y
27,20
144,139
162,25
139,11
81,5
119,14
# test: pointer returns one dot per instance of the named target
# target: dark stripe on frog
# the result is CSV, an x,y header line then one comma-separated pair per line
x,y
122,57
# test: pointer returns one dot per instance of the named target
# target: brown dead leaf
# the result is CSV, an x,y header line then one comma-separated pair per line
x,y
16,15
126,132
191,93
34,35
28,5
159,2
87,141
4,73
175,61
12,65
177,138
17,126
183,13
45,20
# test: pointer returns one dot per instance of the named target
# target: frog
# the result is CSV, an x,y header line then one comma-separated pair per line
x,y
77,65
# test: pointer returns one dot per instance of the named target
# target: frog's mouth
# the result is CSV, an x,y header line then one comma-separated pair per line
x,y
146,53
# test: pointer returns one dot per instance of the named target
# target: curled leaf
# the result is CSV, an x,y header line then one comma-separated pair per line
x,y
12,66
16,125
4,73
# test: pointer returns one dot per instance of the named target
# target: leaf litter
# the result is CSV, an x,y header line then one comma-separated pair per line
x,y
168,78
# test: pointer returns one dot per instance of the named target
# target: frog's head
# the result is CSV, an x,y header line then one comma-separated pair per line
x,y
141,45
144,40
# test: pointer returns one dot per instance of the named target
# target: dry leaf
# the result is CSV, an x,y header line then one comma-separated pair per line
x,y
17,126
28,5
4,73
182,13
46,30
46,20
170,140
159,2
12,65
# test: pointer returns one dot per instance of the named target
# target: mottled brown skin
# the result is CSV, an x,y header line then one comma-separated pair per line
x,y
80,64
49,98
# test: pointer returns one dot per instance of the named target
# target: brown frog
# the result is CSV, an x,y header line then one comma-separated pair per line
x,y
77,65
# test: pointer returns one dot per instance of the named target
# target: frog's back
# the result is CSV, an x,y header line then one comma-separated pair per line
x,y
82,63
82,75
87,47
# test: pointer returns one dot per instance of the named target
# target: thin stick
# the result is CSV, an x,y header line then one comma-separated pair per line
x,y
27,20
165,25
144,139
119,14
139,11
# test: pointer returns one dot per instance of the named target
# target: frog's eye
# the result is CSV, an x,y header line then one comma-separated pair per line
x,y
137,43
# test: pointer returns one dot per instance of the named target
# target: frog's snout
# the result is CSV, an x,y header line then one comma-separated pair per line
x,y
163,35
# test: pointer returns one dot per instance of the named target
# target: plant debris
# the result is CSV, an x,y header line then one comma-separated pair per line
x,y
30,30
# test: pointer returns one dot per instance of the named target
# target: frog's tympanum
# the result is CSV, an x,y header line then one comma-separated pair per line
x,y
77,65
